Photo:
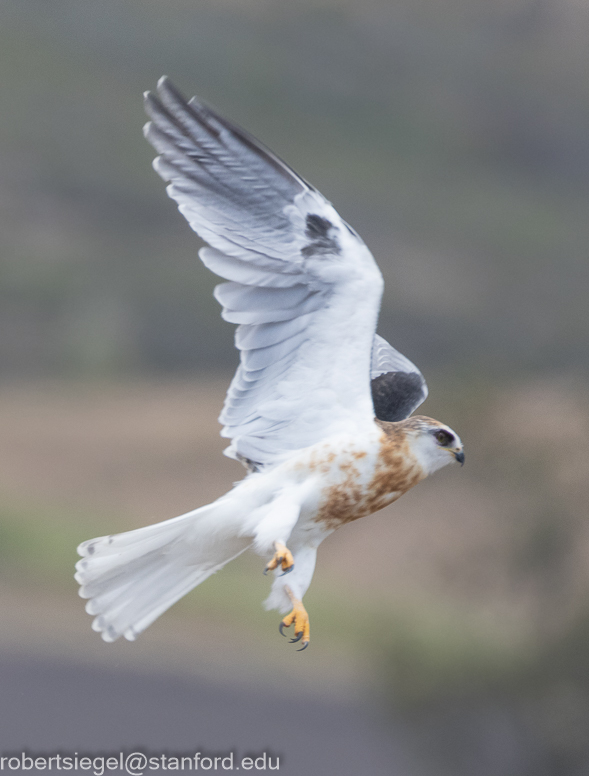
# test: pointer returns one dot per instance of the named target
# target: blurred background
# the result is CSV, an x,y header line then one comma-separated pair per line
x,y
450,631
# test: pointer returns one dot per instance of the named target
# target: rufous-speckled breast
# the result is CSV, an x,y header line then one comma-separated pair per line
x,y
359,489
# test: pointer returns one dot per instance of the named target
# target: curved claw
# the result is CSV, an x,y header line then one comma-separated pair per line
x,y
299,618
288,570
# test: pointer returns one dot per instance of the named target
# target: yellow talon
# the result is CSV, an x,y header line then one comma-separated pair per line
x,y
282,557
300,618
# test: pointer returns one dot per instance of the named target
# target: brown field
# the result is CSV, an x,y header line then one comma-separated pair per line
x,y
499,546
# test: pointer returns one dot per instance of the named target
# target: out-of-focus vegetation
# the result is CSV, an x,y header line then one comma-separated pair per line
x,y
454,136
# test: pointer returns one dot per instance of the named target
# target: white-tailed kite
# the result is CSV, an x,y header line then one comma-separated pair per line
x,y
300,412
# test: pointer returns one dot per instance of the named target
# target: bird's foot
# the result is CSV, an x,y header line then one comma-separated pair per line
x,y
282,557
300,618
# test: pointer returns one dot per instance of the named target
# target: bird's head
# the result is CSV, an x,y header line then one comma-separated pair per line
x,y
434,444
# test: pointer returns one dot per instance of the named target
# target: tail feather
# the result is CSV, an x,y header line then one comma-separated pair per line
x,y
148,613
139,541
95,578
133,577
110,592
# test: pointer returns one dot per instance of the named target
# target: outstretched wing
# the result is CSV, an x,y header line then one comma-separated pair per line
x,y
398,387
303,287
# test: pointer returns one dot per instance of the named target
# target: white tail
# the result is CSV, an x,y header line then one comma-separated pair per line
x,y
132,578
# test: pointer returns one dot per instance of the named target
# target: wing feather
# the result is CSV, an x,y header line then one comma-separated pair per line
x,y
264,334
398,387
242,272
236,296
264,357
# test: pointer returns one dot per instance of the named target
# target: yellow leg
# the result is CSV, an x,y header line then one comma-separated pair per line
x,y
300,618
282,557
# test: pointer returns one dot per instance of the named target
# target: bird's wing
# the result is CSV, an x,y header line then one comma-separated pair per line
x,y
303,287
398,387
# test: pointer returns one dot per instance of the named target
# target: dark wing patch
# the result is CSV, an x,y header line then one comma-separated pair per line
x,y
398,387
318,232
396,394
317,226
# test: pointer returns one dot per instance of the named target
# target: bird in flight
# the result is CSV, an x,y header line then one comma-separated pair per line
x,y
319,411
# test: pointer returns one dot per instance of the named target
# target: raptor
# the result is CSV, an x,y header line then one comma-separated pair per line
x,y
320,409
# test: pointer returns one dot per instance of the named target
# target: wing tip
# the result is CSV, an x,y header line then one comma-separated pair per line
x,y
169,93
163,81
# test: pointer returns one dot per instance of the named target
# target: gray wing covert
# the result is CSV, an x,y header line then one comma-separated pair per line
x,y
398,387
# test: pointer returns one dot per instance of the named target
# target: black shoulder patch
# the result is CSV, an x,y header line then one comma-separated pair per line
x,y
317,226
396,394
317,231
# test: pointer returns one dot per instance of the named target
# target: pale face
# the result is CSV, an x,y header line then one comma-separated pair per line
x,y
436,445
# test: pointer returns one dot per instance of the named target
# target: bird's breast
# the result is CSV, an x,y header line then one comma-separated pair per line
x,y
359,477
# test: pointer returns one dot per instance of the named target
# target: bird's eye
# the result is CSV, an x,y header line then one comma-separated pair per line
x,y
444,438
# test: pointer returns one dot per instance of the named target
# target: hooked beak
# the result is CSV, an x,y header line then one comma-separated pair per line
x,y
459,457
